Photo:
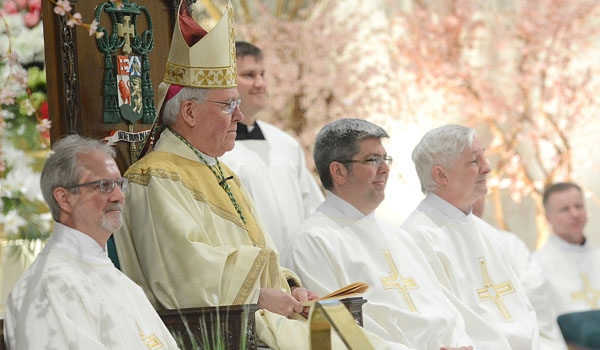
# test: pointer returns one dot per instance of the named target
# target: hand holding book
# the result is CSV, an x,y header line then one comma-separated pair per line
x,y
351,290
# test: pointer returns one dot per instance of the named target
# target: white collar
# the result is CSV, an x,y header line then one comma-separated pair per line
x,y
448,210
342,208
77,244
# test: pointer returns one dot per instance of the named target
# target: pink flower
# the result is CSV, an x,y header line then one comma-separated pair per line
x,y
44,125
21,3
93,27
75,20
20,76
32,18
10,7
62,7
35,5
13,58
7,97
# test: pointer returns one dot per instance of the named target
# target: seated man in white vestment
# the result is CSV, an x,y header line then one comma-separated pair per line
x,y
570,262
268,161
191,237
533,281
343,242
452,169
72,296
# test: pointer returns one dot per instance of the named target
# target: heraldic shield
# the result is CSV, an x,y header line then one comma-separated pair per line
x,y
128,93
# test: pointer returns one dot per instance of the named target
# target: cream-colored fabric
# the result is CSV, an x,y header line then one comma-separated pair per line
x,y
185,244
406,304
72,297
468,261
573,273
209,63
537,289
15,257
182,239
274,172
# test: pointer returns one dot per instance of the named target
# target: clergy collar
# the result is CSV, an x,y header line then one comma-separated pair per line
x,y
447,209
78,244
252,132
346,209
568,245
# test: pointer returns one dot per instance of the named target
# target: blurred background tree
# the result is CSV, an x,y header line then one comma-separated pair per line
x,y
521,72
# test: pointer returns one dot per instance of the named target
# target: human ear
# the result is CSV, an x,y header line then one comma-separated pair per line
x,y
338,173
62,197
439,174
186,113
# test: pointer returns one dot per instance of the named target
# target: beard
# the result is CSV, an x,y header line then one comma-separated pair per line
x,y
112,222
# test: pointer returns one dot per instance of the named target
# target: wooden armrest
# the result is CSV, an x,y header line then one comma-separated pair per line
x,y
226,326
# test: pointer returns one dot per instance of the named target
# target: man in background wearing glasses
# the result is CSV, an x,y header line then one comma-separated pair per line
x,y
343,242
268,161
72,296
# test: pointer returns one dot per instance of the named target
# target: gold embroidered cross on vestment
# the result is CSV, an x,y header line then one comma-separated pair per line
x,y
396,281
589,294
494,292
151,342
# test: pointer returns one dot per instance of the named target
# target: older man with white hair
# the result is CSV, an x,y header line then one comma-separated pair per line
x,y
452,169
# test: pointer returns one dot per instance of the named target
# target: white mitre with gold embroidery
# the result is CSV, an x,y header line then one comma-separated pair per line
x,y
198,57
210,62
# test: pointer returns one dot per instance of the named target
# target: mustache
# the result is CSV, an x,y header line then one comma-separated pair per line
x,y
118,207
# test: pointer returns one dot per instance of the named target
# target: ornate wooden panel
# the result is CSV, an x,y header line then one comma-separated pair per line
x,y
75,69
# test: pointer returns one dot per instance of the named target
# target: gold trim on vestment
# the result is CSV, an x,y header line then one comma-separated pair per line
x,y
253,274
183,170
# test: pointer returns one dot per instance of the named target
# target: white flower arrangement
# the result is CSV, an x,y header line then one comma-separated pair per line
x,y
24,123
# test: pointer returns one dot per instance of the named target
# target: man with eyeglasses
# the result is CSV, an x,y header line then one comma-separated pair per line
x,y
468,253
269,162
343,242
191,237
72,297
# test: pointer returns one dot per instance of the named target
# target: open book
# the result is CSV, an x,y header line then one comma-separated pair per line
x,y
351,290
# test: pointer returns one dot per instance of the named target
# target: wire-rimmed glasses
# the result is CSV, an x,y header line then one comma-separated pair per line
x,y
105,185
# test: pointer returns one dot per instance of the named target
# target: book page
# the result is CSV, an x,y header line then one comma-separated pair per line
x,y
351,290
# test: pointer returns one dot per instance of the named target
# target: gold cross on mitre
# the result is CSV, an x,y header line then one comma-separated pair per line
x,y
589,294
494,292
126,30
396,281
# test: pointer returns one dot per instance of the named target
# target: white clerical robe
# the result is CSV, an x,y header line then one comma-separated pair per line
x,y
573,272
72,297
274,172
185,243
468,261
407,305
536,287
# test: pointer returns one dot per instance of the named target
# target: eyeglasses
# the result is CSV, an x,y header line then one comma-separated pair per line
x,y
229,106
106,185
376,161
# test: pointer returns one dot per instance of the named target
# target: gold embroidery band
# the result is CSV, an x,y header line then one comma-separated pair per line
x,y
253,275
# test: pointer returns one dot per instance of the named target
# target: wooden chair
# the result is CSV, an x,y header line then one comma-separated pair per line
x,y
225,327
228,327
